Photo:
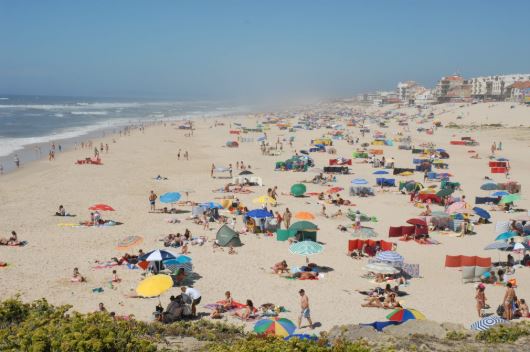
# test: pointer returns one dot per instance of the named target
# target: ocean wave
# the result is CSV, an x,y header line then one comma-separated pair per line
x,y
89,112
70,106
11,145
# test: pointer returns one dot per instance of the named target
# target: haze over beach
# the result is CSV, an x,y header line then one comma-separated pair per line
x,y
155,155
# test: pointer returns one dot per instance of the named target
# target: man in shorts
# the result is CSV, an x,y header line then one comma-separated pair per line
x,y
305,311
152,200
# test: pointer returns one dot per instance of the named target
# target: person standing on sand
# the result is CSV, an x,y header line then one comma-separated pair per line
x,y
480,297
152,200
186,155
509,299
287,218
16,160
211,170
305,311
493,148
178,155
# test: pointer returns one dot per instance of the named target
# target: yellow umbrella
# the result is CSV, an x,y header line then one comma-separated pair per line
x,y
154,285
264,200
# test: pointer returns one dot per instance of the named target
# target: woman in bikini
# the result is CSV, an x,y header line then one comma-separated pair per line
x,y
247,312
509,298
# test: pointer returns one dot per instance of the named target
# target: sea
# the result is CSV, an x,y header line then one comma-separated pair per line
x,y
27,122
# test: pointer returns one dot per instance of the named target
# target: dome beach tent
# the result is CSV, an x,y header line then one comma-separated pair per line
x,y
227,237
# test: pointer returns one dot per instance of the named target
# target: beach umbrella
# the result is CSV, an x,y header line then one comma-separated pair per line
x,y
179,262
444,192
402,314
298,189
334,190
489,186
499,194
304,215
306,248
391,257
154,286
487,323
519,247
211,205
301,337
282,327
482,213
156,256
259,214
406,173
498,245
506,235
264,200
455,206
381,268
416,221
303,226
101,207
170,197
439,214
365,232
380,172
510,198
128,242
359,181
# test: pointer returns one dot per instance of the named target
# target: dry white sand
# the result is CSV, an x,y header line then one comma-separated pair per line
x,y
32,194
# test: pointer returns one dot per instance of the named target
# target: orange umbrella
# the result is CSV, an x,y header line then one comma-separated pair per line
x,y
304,215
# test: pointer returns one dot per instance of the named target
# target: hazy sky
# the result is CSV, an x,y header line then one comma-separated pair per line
x,y
244,49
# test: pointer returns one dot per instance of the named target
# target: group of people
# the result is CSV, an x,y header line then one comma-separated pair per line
x,y
182,306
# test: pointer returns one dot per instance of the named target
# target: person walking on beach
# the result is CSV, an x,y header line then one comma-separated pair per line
x,y
152,200
211,170
16,160
480,297
186,155
305,311
192,295
287,218
493,148
178,155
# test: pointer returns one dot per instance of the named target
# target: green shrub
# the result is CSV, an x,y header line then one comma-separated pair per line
x,y
254,343
456,335
504,333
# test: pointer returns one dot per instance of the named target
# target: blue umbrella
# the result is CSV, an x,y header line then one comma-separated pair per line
x,y
499,194
157,255
498,245
181,261
489,186
359,181
380,172
211,205
487,323
302,337
505,235
170,197
482,213
380,325
440,150
259,213
502,159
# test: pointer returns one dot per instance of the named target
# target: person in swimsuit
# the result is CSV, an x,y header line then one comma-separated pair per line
x,y
509,298
152,200
480,297
247,312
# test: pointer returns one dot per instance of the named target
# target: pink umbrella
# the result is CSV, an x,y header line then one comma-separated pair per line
x,y
455,206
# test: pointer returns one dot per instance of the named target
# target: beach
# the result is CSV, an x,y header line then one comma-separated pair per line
x,y
31,195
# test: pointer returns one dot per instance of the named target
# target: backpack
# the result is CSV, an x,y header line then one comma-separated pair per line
x,y
500,310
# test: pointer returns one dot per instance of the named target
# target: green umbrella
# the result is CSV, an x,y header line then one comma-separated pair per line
x,y
510,198
303,226
365,232
444,192
306,248
298,189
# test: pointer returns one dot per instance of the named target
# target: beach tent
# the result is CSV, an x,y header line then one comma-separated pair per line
x,y
298,189
228,237
305,230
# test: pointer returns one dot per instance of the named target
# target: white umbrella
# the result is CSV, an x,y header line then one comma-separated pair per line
x,y
381,268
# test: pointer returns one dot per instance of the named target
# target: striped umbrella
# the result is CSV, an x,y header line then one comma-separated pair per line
x,y
129,241
402,314
306,248
380,268
277,327
391,257
181,261
487,323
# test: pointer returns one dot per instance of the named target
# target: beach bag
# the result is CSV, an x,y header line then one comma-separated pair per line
x,y
500,310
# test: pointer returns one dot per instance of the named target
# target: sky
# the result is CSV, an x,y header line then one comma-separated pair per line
x,y
248,49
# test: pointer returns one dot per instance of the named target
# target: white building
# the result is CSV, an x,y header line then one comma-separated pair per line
x,y
495,86
406,90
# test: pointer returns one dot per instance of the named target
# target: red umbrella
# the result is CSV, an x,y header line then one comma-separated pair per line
x,y
102,207
335,190
417,221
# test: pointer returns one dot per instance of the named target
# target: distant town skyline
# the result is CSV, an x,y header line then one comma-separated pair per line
x,y
247,50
